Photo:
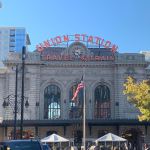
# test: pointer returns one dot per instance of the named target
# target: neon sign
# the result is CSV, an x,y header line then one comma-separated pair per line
x,y
94,40
71,58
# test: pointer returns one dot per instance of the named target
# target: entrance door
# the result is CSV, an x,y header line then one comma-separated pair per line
x,y
135,138
78,138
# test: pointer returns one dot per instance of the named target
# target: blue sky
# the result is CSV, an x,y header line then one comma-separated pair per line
x,y
125,23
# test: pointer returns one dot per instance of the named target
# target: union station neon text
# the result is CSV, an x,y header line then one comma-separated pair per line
x,y
77,37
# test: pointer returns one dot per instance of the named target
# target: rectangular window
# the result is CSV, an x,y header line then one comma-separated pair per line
x,y
12,32
12,39
12,44
11,49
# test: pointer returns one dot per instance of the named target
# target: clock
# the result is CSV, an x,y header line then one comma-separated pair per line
x,y
77,49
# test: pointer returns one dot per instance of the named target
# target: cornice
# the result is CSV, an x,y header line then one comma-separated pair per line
x,y
77,64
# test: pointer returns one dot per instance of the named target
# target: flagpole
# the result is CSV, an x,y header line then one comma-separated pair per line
x,y
84,112
80,86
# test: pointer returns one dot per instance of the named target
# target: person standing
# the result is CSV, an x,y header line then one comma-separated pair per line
x,y
146,147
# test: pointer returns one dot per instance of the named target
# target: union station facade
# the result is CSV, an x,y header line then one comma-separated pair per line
x,y
51,78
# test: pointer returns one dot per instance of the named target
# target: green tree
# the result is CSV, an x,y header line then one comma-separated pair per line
x,y
138,93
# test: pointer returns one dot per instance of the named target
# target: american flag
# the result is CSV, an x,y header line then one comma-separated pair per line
x,y
79,87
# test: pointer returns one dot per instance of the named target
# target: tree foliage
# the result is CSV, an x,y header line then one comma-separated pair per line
x,y
138,93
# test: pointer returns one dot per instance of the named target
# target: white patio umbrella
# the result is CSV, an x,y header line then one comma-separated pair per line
x,y
109,137
54,138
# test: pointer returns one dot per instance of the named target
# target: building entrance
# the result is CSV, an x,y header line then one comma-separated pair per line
x,y
135,138
78,134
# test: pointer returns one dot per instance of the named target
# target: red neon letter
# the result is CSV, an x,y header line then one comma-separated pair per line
x,y
114,48
47,44
97,58
39,48
107,44
58,39
97,40
66,38
102,42
53,43
77,37
90,39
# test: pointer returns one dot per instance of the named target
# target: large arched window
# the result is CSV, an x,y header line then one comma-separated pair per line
x,y
76,106
52,102
102,102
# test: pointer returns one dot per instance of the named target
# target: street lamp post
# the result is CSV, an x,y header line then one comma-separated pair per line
x,y
14,102
6,103
22,93
9,101
15,109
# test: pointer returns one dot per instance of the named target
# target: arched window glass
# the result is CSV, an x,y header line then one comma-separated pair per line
x,y
102,102
52,102
76,106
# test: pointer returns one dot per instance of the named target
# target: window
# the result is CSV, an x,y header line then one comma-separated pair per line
x,y
11,49
27,134
102,102
52,102
12,39
12,44
76,106
12,32
130,71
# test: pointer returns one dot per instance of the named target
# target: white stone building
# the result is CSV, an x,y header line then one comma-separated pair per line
x,y
50,81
